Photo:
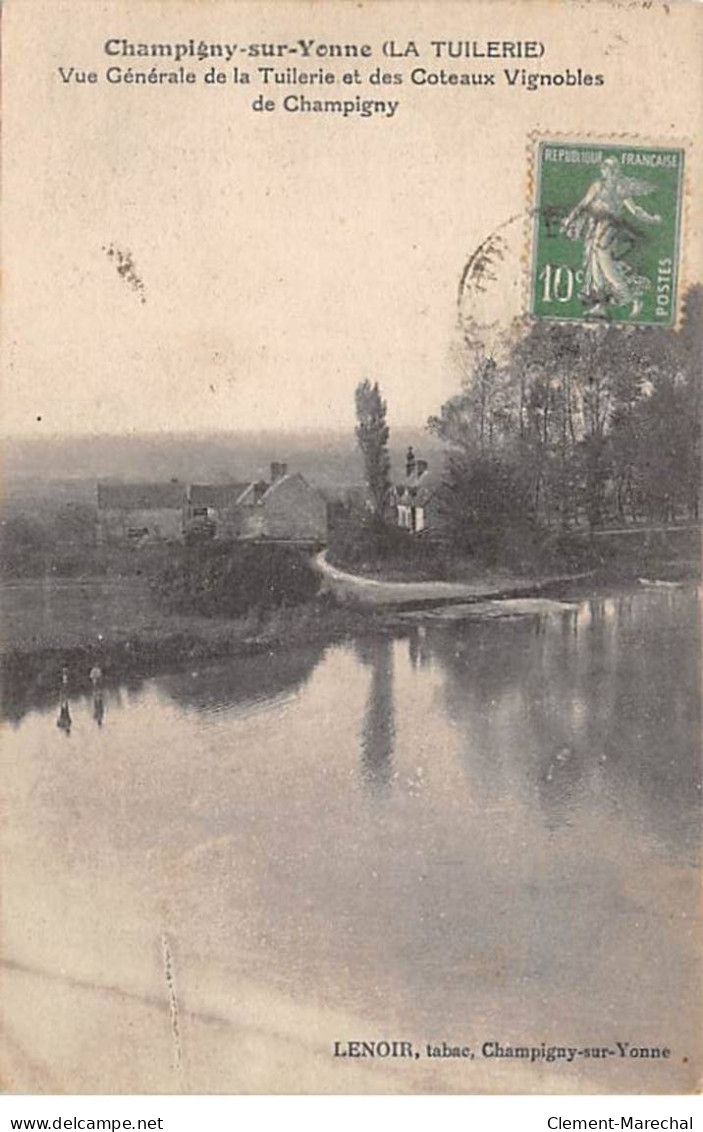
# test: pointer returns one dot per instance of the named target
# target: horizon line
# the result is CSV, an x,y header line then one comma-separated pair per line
x,y
153,434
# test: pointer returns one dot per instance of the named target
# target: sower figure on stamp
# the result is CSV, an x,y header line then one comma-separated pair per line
x,y
599,220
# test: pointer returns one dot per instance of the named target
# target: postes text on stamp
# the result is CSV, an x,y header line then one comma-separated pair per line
x,y
606,232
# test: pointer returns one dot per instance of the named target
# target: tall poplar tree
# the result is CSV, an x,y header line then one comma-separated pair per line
x,y
372,434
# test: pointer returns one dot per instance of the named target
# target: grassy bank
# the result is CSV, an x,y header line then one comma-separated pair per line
x,y
116,624
666,551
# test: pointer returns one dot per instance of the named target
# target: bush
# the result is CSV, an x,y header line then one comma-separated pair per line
x,y
575,551
488,514
231,579
367,544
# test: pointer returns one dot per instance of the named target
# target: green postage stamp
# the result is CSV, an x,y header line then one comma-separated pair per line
x,y
606,232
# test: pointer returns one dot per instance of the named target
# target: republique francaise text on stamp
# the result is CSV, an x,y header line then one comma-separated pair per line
x,y
606,236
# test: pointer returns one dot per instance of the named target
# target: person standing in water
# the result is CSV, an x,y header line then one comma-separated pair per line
x,y
96,679
64,721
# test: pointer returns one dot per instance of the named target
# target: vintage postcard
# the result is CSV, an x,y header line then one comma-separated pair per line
x,y
349,558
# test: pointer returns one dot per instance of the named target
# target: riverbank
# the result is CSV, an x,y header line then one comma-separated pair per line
x,y
461,775
116,623
92,616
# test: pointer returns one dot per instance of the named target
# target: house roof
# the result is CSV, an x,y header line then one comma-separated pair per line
x,y
253,492
278,484
419,490
140,496
218,496
428,484
173,496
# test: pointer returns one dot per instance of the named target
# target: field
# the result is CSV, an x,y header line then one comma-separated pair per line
x,y
48,613
114,622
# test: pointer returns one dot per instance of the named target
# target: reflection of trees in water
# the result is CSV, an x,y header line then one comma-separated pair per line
x,y
377,737
242,681
601,700
32,686
24,688
652,745
418,652
212,686
505,690
638,671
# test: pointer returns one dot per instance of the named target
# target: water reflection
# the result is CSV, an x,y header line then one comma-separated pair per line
x,y
64,722
600,700
527,868
418,651
244,683
98,706
377,735
32,687
96,679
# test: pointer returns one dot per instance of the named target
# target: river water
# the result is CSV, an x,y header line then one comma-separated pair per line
x,y
481,832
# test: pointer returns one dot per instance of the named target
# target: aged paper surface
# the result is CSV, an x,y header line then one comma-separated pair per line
x,y
423,858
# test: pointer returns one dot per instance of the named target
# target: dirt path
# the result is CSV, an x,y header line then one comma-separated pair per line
x,y
378,592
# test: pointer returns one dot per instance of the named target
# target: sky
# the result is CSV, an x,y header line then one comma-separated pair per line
x,y
277,260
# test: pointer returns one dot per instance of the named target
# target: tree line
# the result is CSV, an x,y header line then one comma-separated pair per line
x,y
561,427
578,424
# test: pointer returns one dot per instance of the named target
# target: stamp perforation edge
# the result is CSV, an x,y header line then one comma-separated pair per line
x,y
622,140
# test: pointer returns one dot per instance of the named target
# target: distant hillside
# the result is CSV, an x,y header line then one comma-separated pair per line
x,y
328,460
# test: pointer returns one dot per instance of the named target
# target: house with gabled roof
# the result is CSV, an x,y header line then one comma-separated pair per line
x,y
287,509
416,499
213,509
140,512
293,510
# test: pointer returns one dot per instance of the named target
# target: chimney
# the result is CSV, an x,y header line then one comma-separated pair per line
x,y
278,470
409,463
421,466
